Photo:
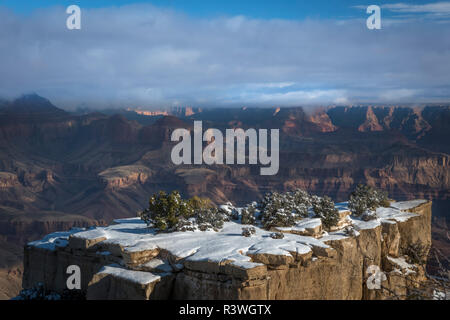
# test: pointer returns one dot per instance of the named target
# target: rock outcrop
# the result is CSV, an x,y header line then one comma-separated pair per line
x,y
127,260
125,176
8,180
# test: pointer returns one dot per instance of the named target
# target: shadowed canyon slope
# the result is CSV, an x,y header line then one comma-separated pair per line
x,y
104,166
60,169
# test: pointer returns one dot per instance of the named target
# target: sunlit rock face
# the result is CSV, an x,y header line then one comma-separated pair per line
x,y
129,260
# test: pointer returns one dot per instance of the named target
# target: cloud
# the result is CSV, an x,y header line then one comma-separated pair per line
x,y
396,13
437,7
140,55
304,96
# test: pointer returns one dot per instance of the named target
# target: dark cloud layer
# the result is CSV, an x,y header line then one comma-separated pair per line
x,y
142,55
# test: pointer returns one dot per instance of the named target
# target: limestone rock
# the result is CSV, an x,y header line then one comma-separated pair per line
x,y
116,283
128,261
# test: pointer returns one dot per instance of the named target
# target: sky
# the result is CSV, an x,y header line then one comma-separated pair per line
x,y
156,54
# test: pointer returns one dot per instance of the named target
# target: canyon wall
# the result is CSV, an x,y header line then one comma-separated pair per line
x,y
335,268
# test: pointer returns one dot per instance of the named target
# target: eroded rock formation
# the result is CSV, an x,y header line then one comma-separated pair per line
x,y
128,260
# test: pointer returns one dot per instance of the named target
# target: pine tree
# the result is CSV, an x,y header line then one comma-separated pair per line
x,y
366,198
248,214
325,209
169,212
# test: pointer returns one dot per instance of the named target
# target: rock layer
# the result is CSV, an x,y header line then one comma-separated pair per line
x,y
142,265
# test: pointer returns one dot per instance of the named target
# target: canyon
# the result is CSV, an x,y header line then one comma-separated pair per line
x,y
62,169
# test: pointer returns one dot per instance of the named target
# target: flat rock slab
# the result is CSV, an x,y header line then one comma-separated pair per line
x,y
114,282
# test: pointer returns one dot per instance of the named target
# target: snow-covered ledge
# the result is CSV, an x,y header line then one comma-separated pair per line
x,y
129,260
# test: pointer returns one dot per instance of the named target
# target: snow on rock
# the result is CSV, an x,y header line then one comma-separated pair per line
x,y
130,275
393,214
226,207
53,240
360,224
306,226
401,266
337,235
225,245
407,205
135,261
134,240
156,265
136,220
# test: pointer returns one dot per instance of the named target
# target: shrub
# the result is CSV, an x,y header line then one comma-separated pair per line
x,y
283,210
277,235
278,218
248,231
197,203
228,212
165,210
277,211
417,253
325,209
302,202
248,214
184,225
366,198
209,218
169,212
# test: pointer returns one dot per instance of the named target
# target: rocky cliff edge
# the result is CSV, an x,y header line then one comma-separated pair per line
x,y
127,260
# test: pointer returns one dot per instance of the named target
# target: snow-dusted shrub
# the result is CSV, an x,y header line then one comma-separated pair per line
x,y
165,210
169,212
302,201
277,235
277,211
369,215
209,219
227,211
230,211
248,231
248,214
278,218
366,198
184,225
417,253
315,200
325,209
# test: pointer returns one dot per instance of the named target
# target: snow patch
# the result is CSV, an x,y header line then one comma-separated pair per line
x,y
53,240
407,205
139,277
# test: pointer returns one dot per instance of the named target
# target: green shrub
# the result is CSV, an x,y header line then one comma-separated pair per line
x,y
277,211
165,210
228,212
417,253
325,209
209,219
248,214
283,210
169,212
302,202
366,198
